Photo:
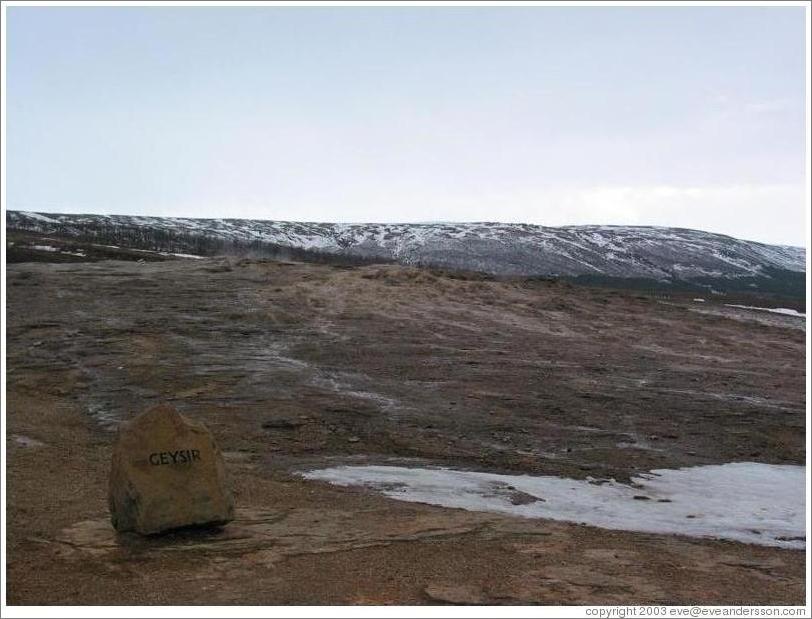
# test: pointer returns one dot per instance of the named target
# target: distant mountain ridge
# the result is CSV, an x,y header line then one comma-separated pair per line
x,y
669,256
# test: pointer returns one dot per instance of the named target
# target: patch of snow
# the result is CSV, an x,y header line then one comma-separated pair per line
x,y
743,501
163,253
696,271
43,248
41,217
699,300
775,310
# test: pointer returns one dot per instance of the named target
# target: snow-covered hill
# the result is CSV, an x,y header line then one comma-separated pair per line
x,y
640,252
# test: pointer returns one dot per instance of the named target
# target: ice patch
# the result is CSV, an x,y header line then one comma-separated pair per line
x,y
742,501
775,310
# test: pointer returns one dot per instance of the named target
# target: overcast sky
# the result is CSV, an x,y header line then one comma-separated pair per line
x,y
690,117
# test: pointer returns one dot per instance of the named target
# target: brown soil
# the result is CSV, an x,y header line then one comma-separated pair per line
x,y
294,366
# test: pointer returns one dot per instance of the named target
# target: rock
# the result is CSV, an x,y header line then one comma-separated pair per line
x,y
517,497
167,473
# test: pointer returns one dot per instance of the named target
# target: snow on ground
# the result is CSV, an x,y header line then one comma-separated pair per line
x,y
775,310
43,248
150,251
40,217
743,501
164,253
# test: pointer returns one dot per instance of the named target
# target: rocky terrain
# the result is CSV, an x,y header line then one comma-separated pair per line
x,y
298,366
627,256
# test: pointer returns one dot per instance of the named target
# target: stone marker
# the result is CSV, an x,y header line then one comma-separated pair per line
x,y
167,473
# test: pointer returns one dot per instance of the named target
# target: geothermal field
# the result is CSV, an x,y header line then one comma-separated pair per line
x,y
395,434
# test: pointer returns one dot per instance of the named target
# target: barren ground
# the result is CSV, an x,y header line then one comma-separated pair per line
x,y
295,366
